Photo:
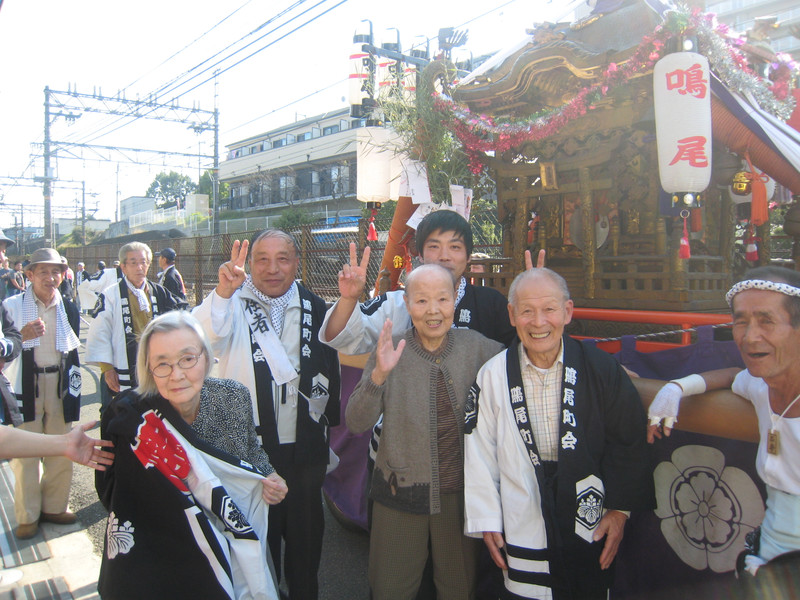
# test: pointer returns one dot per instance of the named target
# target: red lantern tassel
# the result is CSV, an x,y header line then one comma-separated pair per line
x,y
685,251
372,234
759,210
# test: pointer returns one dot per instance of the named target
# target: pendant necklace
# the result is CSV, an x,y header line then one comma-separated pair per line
x,y
774,436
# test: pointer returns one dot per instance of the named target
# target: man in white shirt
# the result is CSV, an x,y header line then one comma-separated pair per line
x,y
47,382
121,313
264,328
555,454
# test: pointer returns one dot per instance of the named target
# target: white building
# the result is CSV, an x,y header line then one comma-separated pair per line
x,y
310,163
67,226
135,205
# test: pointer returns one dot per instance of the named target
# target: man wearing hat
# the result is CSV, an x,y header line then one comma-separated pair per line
x,y
47,381
170,278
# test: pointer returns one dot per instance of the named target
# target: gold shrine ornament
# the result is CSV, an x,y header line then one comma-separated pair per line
x,y
397,261
742,183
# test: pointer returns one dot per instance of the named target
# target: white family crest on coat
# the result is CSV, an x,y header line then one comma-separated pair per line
x,y
119,538
74,378
589,495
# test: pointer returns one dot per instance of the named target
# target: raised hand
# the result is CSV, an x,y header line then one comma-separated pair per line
x,y
386,355
539,259
353,276
231,273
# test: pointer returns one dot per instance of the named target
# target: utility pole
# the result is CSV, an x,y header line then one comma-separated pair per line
x,y
83,214
46,190
215,175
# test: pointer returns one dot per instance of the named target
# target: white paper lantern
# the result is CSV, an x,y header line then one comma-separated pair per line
x,y
682,97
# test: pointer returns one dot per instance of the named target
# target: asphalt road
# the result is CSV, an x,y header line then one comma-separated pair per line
x,y
343,572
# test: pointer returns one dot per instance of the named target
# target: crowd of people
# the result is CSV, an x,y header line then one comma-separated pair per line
x,y
506,457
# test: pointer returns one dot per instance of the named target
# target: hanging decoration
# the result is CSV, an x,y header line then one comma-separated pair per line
x,y
682,102
741,185
759,209
750,247
685,250
483,133
372,234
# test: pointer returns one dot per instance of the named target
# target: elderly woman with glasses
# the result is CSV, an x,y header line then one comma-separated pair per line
x,y
190,485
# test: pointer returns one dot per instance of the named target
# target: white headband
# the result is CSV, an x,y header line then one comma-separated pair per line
x,y
760,284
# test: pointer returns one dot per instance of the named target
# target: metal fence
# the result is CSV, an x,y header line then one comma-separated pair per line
x,y
324,249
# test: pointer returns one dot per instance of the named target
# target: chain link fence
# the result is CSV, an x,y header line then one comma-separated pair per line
x,y
324,249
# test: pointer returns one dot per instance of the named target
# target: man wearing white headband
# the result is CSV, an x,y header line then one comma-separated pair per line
x,y
766,329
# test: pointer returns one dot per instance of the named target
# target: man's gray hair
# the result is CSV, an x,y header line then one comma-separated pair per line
x,y
275,233
135,247
167,323
535,274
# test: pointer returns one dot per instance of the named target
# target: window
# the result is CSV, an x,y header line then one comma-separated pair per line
x,y
279,143
330,129
304,136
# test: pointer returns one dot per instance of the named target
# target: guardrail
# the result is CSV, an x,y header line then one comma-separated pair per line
x,y
683,320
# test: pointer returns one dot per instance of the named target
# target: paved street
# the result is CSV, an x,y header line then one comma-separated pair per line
x,y
343,573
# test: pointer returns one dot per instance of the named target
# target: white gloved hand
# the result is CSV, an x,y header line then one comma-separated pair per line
x,y
665,405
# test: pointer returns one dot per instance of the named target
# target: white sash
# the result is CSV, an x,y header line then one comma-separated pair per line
x,y
270,344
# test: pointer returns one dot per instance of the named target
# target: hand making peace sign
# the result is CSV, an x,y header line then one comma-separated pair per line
x,y
231,273
353,276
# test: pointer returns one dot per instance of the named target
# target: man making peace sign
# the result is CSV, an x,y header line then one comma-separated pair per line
x,y
264,327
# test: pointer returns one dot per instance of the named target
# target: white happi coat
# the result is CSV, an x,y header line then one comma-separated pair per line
x,y
495,458
105,342
230,341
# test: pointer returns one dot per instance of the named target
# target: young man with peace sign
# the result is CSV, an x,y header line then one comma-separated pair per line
x,y
443,237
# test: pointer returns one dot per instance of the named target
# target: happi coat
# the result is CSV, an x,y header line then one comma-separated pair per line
x,y
111,338
20,372
240,357
185,520
603,463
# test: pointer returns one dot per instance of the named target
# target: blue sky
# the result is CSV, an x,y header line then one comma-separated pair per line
x,y
106,46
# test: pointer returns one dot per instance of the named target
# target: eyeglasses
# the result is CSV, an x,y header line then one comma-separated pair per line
x,y
138,263
185,363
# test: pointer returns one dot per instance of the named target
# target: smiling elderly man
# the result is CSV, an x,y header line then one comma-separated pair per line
x,y
766,329
47,380
264,327
121,313
555,452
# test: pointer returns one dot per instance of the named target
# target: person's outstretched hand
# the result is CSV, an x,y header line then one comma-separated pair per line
x,y
88,451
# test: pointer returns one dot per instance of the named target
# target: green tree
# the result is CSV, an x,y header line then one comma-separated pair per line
x,y
206,186
293,217
170,189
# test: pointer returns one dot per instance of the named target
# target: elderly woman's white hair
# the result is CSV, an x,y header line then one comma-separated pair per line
x,y
166,323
